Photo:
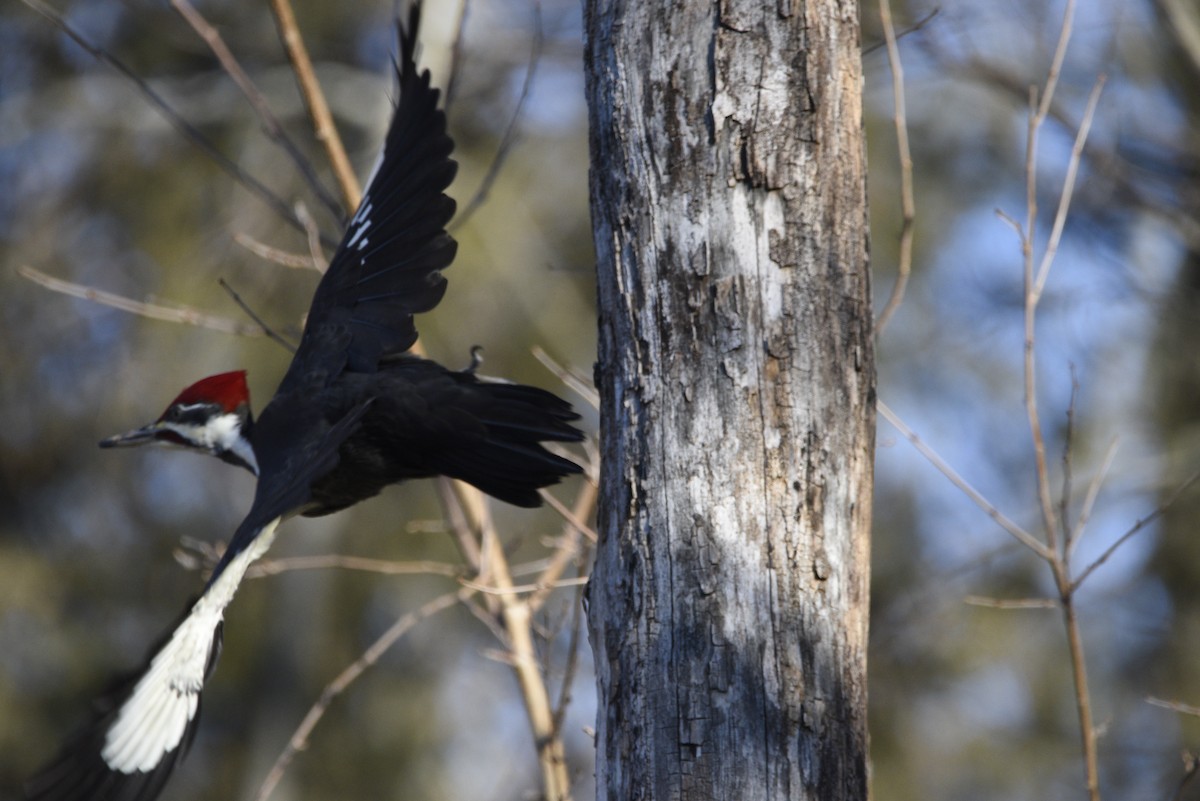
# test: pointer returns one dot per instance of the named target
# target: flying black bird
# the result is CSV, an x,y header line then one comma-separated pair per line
x,y
353,414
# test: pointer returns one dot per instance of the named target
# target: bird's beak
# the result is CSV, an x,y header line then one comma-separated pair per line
x,y
139,436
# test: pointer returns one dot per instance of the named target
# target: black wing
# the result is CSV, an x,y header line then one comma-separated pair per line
x,y
142,727
387,267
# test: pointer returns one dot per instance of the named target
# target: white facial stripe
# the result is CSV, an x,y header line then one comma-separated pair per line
x,y
220,433
151,723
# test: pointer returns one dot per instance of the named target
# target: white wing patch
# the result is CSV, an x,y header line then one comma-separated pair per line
x,y
151,723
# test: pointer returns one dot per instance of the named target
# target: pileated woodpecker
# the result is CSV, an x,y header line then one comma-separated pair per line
x,y
353,414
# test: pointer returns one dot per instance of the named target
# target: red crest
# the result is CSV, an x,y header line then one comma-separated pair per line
x,y
227,389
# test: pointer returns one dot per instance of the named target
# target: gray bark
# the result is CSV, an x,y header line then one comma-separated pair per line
x,y
728,605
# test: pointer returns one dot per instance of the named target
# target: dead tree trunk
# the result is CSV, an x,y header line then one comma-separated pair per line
x,y
728,606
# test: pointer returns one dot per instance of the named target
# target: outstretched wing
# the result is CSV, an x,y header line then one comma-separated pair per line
x,y
142,728
387,267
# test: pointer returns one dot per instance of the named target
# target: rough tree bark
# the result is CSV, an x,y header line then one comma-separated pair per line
x,y
728,605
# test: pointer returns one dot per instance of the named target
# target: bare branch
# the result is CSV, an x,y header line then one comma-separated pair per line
x,y
541,586
299,738
273,567
270,123
1175,706
1022,536
270,332
908,206
319,260
1093,492
275,255
578,385
1011,603
573,518
916,26
1064,201
318,109
1138,526
177,314
189,131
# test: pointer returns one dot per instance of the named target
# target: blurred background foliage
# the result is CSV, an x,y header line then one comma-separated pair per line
x,y
967,701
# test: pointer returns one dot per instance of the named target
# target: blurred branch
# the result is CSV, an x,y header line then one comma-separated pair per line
x,y
178,314
1175,706
270,332
1137,526
1185,27
564,687
270,123
275,255
516,615
541,586
319,260
1093,492
916,26
189,131
1023,536
456,55
510,132
1064,501
273,567
1064,201
1034,284
318,109
907,203
299,739
1107,164
578,385
1011,603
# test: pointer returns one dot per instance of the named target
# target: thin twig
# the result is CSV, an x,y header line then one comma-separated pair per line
x,y
1034,285
578,385
916,26
907,203
510,132
319,260
177,314
541,586
1011,603
1175,706
517,617
1135,528
1022,536
455,56
318,109
1064,500
1064,201
273,567
270,123
283,258
268,330
189,131
299,739
564,690
1093,492
571,516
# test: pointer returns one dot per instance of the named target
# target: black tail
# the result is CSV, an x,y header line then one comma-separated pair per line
x,y
510,463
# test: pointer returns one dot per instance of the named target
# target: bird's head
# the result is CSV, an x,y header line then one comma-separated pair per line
x,y
212,415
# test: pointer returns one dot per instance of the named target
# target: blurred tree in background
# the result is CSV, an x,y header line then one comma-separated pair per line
x,y
967,701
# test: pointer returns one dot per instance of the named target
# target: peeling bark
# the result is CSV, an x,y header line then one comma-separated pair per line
x,y
728,604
